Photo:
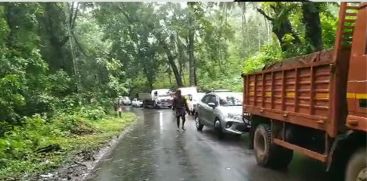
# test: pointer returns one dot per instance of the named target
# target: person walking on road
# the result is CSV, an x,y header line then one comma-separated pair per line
x,y
118,106
180,106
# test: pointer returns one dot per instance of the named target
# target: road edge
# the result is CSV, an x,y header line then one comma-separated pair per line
x,y
103,152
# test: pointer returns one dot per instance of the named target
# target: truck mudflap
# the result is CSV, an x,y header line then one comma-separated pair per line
x,y
343,146
339,140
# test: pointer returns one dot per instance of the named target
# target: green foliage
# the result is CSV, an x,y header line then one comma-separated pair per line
x,y
60,84
22,80
19,142
73,124
272,53
268,54
19,147
93,113
328,19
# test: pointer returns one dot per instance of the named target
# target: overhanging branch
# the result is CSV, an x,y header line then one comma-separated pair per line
x,y
264,14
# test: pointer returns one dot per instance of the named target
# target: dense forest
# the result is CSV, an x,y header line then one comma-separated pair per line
x,y
63,61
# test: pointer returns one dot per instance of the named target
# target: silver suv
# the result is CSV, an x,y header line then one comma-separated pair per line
x,y
221,111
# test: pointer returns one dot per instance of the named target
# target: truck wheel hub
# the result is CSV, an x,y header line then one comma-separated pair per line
x,y
362,175
259,144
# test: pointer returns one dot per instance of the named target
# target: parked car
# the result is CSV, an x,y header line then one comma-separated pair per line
x,y
158,98
195,100
137,103
221,111
126,100
162,98
221,90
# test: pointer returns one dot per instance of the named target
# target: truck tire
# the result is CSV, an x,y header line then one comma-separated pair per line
x,y
357,166
267,154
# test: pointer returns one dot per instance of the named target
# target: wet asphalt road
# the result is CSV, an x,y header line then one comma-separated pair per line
x,y
154,150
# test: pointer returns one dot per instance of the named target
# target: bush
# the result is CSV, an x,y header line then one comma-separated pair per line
x,y
72,124
38,144
35,132
92,113
22,140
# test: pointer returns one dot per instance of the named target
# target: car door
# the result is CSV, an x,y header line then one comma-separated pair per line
x,y
210,116
208,110
202,108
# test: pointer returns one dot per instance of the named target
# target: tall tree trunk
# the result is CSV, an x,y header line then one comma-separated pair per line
x,y
54,36
192,65
171,62
181,58
311,19
171,59
150,78
244,28
190,48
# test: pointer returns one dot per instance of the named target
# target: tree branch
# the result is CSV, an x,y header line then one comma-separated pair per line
x,y
75,16
264,14
273,7
128,18
71,11
79,45
64,40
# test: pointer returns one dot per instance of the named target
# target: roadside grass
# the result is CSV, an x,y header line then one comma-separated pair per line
x,y
20,155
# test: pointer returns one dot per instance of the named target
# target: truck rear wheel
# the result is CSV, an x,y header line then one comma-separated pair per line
x,y
357,166
268,154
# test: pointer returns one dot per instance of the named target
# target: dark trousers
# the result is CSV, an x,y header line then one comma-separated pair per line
x,y
178,121
180,113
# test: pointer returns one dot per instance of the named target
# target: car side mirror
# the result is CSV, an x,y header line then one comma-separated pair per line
x,y
212,104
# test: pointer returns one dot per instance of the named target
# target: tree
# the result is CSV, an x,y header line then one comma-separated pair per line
x,y
311,19
282,27
192,9
54,37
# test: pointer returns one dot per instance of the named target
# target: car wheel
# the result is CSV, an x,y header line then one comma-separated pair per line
x,y
357,166
155,106
198,124
218,128
268,154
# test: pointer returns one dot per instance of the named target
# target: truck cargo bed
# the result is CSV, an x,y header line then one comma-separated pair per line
x,y
297,90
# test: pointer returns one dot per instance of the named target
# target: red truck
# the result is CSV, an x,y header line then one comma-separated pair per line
x,y
315,104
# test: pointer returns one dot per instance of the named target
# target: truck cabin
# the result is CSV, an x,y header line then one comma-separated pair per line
x,y
357,75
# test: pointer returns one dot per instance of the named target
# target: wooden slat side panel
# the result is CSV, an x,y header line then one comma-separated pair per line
x,y
259,90
277,90
291,96
251,89
255,90
322,77
304,84
290,78
268,89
